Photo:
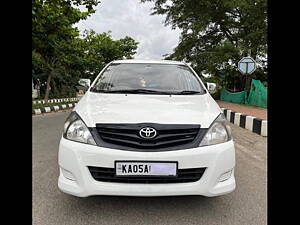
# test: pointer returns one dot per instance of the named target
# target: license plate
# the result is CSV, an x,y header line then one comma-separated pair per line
x,y
145,168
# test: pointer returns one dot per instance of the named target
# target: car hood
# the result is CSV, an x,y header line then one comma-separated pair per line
x,y
144,108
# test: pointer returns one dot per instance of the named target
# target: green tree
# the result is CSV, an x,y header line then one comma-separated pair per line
x,y
216,34
60,56
52,30
100,49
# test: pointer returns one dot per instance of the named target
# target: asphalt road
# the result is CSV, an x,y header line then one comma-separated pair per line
x,y
245,206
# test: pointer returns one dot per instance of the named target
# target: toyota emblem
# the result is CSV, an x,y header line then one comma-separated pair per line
x,y
148,132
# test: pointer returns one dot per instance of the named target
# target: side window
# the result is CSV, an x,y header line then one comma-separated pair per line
x,y
105,80
188,80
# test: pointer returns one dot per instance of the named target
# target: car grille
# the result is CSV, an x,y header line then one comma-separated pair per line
x,y
128,135
104,174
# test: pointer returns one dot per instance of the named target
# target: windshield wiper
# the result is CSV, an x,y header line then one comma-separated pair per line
x,y
134,91
186,92
147,91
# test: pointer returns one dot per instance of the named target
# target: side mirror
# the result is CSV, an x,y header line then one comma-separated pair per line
x,y
211,87
85,82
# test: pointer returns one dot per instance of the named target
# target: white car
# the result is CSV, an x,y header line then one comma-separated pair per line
x,y
146,128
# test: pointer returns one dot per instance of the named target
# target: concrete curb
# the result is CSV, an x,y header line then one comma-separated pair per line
x,y
251,123
55,100
52,108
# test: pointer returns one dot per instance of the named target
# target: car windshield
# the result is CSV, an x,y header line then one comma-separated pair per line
x,y
148,78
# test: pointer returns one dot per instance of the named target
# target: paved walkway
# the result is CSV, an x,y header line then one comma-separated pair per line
x,y
248,110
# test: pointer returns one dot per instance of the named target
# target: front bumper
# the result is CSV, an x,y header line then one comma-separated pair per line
x,y
74,158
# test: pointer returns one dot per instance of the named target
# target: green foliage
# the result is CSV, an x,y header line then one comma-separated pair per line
x,y
216,34
100,49
52,24
53,32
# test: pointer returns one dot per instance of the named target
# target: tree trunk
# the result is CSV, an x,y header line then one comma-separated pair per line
x,y
48,87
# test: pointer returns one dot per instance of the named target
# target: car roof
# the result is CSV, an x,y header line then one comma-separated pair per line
x,y
149,61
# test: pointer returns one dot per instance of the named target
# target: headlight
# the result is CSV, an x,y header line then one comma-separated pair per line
x,y
219,132
76,130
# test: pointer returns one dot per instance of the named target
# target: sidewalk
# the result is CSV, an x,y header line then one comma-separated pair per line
x,y
244,109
